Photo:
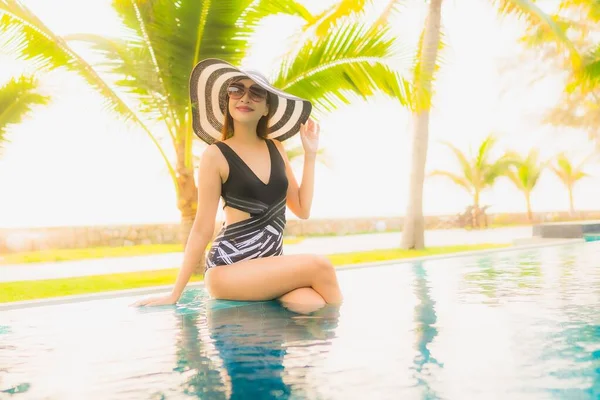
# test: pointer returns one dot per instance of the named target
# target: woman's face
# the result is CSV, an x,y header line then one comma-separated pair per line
x,y
247,101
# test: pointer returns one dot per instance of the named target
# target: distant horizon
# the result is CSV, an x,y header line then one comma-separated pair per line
x,y
342,218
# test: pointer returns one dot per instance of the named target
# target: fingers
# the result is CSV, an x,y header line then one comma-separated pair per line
x,y
147,302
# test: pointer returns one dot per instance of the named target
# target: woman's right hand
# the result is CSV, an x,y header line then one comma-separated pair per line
x,y
156,301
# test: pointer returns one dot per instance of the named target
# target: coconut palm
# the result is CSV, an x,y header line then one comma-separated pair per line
x,y
143,76
569,174
413,230
578,106
479,171
18,97
525,174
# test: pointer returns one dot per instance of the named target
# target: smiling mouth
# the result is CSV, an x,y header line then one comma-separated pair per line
x,y
245,109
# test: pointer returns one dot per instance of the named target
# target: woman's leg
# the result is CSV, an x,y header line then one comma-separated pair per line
x,y
303,301
270,278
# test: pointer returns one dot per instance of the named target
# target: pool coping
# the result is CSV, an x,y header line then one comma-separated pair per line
x,y
165,288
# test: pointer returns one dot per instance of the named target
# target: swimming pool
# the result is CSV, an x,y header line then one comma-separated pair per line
x,y
507,325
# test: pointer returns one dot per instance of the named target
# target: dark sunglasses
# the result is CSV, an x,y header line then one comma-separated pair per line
x,y
236,91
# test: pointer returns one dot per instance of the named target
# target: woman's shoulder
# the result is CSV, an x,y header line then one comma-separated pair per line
x,y
212,154
278,145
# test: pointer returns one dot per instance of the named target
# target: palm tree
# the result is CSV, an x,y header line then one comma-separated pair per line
x,y
478,172
413,230
149,68
569,175
525,174
18,97
579,104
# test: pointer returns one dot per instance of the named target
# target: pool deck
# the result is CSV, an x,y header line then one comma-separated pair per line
x,y
314,245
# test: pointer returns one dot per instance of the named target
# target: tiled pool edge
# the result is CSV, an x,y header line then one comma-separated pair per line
x,y
165,288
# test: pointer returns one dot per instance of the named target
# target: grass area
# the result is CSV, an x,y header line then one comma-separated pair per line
x,y
398,254
29,290
99,252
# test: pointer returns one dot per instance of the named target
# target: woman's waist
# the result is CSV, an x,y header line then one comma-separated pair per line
x,y
277,220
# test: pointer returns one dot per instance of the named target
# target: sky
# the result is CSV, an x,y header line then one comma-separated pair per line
x,y
72,163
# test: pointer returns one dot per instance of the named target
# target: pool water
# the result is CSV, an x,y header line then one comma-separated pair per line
x,y
511,325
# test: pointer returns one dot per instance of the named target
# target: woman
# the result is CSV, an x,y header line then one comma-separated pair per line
x,y
244,119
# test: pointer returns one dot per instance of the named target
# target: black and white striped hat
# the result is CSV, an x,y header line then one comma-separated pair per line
x,y
208,94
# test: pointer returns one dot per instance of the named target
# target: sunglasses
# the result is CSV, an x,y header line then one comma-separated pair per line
x,y
236,91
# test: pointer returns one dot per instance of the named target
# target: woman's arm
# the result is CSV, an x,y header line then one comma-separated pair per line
x,y
209,191
300,197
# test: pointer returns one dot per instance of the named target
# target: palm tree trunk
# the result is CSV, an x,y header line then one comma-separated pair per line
x,y
529,212
571,203
187,199
475,217
413,231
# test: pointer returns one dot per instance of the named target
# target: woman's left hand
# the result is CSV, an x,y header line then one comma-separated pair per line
x,y
309,134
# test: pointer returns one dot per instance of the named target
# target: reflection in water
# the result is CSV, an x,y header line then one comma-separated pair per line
x,y
497,277
425,331
518,325
237,350
484,277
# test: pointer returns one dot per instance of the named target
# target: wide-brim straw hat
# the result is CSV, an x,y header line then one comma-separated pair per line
x,y
208,93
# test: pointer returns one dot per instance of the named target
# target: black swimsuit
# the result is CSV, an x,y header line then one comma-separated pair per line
x,y
261,235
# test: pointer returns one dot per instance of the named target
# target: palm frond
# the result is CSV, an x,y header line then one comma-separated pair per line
x,y
579,175
259,9
564,178
590,7
314,26
525,172
176,34
537,34
518,179
579,109
391,7
457,179
483,154
353,59
495,170
564,164
18,97
131,66
25,36
528,10
568,173
422,98
465,163
329,18
591,69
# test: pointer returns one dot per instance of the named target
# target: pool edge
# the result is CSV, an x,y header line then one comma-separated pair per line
x,y
165,288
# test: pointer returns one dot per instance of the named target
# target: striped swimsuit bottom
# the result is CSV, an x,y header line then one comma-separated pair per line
x,y
259,236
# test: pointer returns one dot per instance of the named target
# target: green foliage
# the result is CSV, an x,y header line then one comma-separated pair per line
x,y
526,171
478,171
569,173
579,105
353,59
18,97
143,75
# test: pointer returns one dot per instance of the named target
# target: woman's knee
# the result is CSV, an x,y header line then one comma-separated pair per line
x,y
323,266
